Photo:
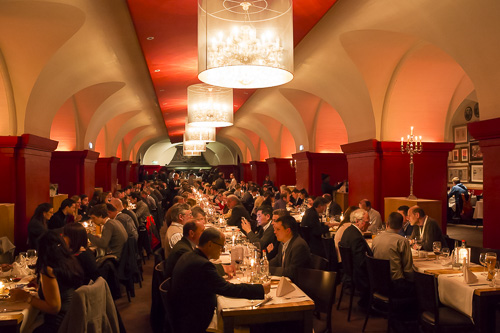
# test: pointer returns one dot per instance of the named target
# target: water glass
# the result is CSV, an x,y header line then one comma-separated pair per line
x,y
436,248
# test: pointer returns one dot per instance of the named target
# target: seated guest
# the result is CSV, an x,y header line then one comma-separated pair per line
x,y
311,219
332,208
302,197
425,228
265,234
61,217
113,236
76,217
258,202
346,223
283,200
199,214
456,191
391,246
248,199
128,212
407,228
96,198
84,208
309,201
237,211
106,197
195,284
141,209
268,199
375,218
191,232
59,274
115,212
168,218
38,224
181,213
293,251
294,197
75,236
353,239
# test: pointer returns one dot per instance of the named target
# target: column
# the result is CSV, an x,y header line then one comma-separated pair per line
x,y
259,171
123,171
309,167
281,171
105,173
245,172
25,178
74,171
134,172
488,134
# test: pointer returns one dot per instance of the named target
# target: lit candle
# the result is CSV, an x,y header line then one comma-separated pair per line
x,y
233,237
252,262
402,140
411,130
1,287
342,217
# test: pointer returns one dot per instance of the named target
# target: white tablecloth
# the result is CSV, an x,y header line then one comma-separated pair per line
x,y
478,211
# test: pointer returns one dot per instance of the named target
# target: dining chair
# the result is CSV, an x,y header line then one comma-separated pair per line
x,y
435,316
318,262
157,311
320,286
164,288
305,233
348,281
331,254
379,276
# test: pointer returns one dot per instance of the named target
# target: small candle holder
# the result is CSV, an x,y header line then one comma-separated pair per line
x,y
413,146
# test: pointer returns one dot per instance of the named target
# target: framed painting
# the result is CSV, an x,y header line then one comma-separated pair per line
x,y
476,173
455,156
460,134
475,153
460,172
464,154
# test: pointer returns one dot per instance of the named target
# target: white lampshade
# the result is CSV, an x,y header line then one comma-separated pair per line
x,y
194,146
191,153
245,44
202,134
209,106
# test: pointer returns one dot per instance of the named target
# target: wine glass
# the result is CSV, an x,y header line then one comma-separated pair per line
x,y
482,261
445,252
436,248
491,261
32,258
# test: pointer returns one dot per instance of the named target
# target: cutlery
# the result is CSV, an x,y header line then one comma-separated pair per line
x,y
262,303
293,297
479,284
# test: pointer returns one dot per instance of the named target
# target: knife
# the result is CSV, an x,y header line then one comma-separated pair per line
x,y
262,303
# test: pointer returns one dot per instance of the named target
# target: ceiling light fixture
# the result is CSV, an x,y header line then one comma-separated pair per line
x,y
194,146
245,44
209,106
190,153
201,134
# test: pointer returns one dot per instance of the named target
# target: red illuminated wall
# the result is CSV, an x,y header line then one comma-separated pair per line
x,y
259,171
25,178
105,173
245,172
123,171
74,171
281,171
310,166
134,172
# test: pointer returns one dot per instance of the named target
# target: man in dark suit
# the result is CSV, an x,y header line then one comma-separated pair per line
x,y
353,239
195,284
265,234
237,212
248,199
316,228
293,251
173,186
60,218
425,228
220,184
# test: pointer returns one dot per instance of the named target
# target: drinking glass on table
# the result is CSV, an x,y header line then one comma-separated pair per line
x,y
32,258
436,248
445,253
491,261
482,261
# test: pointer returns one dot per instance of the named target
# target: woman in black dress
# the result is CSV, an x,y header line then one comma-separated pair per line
x,y
75,236
38,223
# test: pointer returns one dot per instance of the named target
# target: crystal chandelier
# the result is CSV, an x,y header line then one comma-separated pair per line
x,y
209,106
245,44
202,134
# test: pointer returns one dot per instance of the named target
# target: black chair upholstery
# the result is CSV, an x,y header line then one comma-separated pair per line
x,y
433,316
347,264
331,254
305,233
318,262
379,275
164,292
157,312
320,286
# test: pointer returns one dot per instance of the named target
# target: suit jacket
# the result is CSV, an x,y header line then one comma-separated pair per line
x,y
297,255
220,184
58,220
353,239
183,246
195,283
237,213
265,238
35,229
334,209
316,230
142,211
248,201
432,233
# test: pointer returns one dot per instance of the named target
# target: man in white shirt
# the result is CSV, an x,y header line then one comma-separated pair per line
x,y
375,218
265,235
180,215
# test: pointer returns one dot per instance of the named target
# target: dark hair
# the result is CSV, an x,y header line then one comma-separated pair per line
x,y
111,208
198,210
266,210
83,196
295,190
136,196
419,211
104,195
77,236
395,220
96,197
404,208
367,203
66,203
281,212
176,211
327,196
304,192
210,234
319,201
289,222
99,211
53,252
177,198
189,226
40,209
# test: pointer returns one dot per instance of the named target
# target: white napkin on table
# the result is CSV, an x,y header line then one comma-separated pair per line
x,y
284,287
18,270
469,277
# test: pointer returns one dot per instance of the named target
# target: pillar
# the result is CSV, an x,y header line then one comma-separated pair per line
x,y
259,171
134,172
281,171
123,171
105,173
245,172
488,134
309,167
74,171
25,178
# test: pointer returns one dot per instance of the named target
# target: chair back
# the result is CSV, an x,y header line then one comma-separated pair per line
x,y
347,260
318,262
331,254
305,233
159,255
379,275
427,293
165,287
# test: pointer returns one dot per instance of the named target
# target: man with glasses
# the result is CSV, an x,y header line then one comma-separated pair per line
x,y
265,234
180,215
195,284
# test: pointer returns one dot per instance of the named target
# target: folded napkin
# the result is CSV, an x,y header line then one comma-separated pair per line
x,y
18,270
284,287
469,277
5,245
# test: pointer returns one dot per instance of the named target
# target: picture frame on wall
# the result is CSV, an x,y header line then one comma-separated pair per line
x,y
455,155
460,134
464,154
461,172
475,153
476,173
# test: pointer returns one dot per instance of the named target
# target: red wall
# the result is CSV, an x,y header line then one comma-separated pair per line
x,y
259,171
281,171
245,172
229,169
123,172
310,166
105,173
134,172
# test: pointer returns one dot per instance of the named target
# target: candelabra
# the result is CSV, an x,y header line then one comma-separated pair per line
x,y
413,146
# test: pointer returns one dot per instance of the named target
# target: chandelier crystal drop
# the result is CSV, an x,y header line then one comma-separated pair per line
x,y
209,106
245,44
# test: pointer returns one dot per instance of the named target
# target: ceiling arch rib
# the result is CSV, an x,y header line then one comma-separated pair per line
x,y
240,135
231,142
137,141
134,121
254,125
